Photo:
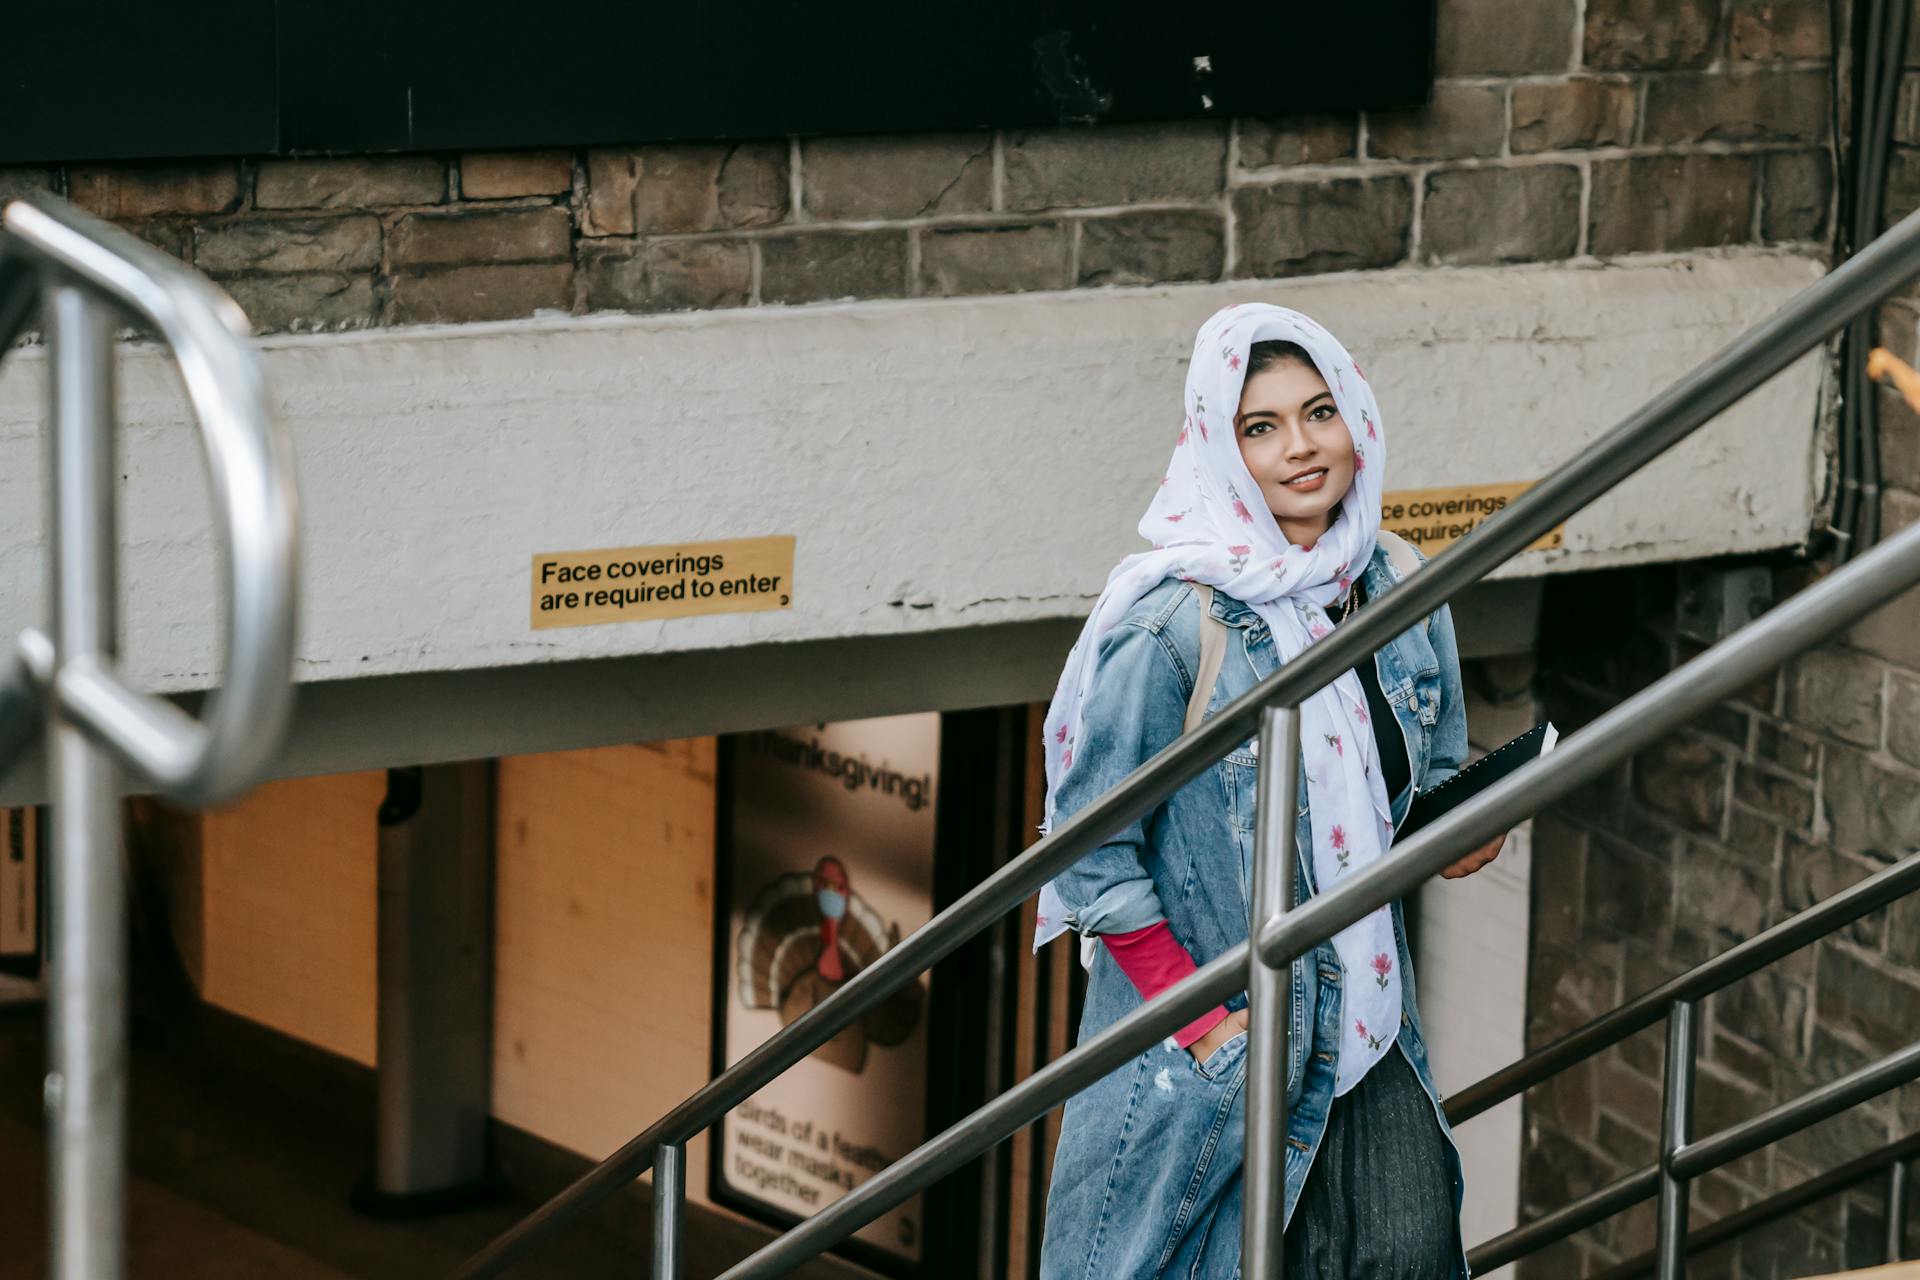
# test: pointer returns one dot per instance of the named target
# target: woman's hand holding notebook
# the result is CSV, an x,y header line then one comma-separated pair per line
x,y
1475,778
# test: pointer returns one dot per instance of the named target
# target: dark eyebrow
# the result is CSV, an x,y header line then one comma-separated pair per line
x,y
1269,413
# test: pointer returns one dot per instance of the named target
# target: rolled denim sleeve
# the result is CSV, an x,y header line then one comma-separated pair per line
x,y
1134,707
1449,750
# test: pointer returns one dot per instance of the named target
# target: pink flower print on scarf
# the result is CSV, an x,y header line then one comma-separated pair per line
x,y
1373,1042
1060,734
1359,713
1359,462
1066,756
1203,545
1338,839
1357,373
1382,966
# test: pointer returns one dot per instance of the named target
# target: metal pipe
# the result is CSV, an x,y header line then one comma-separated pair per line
x,y
84,271
1819,1187
1704,392
1549,1228
1834,602
1827,605
1798,1113
1676,1125
1263,1195
669,1210
1696,984
1897,1210
250,471
1831,603
86,1086
919,951
1026,1102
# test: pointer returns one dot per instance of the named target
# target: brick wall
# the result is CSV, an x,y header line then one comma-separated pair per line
x,y
1560,129
1805,783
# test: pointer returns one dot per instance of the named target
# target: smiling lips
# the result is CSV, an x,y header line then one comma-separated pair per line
x,y
1307,481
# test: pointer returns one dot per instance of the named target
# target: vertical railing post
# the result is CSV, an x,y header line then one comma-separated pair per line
x,y
1676,1129
86,1085
1897,1210
1264,1185
669,1209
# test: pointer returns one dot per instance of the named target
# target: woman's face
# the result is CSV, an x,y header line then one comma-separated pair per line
x,y
1296,447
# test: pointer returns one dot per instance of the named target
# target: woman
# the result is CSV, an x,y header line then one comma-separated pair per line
x,y
1268,520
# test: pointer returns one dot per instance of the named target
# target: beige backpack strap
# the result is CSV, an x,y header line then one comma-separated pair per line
x,y
1400,553
1213,647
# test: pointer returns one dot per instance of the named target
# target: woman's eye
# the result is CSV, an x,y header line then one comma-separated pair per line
x,y
1321,414
1257,428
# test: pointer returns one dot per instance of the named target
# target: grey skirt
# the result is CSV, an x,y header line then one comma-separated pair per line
x,y
1378,1201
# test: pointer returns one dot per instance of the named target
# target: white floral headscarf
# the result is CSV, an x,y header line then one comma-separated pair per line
x,y
1210,524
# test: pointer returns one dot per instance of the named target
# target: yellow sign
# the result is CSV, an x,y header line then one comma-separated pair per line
x,y
1432,518
629,584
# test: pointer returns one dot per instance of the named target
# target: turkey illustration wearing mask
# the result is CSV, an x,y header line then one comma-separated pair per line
x,y
805,935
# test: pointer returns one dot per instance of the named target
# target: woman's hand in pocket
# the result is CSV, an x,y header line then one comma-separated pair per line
x,y
1224,1030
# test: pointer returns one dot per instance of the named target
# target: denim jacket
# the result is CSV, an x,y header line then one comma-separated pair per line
x,y
1146,1176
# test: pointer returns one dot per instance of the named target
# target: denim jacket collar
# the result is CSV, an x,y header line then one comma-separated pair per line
x,y
1379,577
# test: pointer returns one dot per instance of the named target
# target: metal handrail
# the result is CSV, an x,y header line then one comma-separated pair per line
x,y
1840,598
1668,418
1696,984
86,277
1704,1156
249,459
1893,1159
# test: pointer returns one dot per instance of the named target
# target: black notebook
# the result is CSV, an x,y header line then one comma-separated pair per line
x,y
1475,778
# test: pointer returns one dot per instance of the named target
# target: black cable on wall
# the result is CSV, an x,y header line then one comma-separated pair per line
x,y
1876,54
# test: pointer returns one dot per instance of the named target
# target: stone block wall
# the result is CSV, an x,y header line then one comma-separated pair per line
x,y
1802,785
1559,129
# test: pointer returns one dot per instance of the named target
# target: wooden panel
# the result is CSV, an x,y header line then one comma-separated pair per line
x,y
604,946
288,883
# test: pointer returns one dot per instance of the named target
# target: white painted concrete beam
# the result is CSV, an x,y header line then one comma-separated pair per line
x,y
944,464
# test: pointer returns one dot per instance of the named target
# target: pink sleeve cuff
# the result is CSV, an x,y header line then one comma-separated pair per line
x,y
1153,960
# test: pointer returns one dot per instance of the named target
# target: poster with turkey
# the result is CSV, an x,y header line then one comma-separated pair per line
x,y
828,862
